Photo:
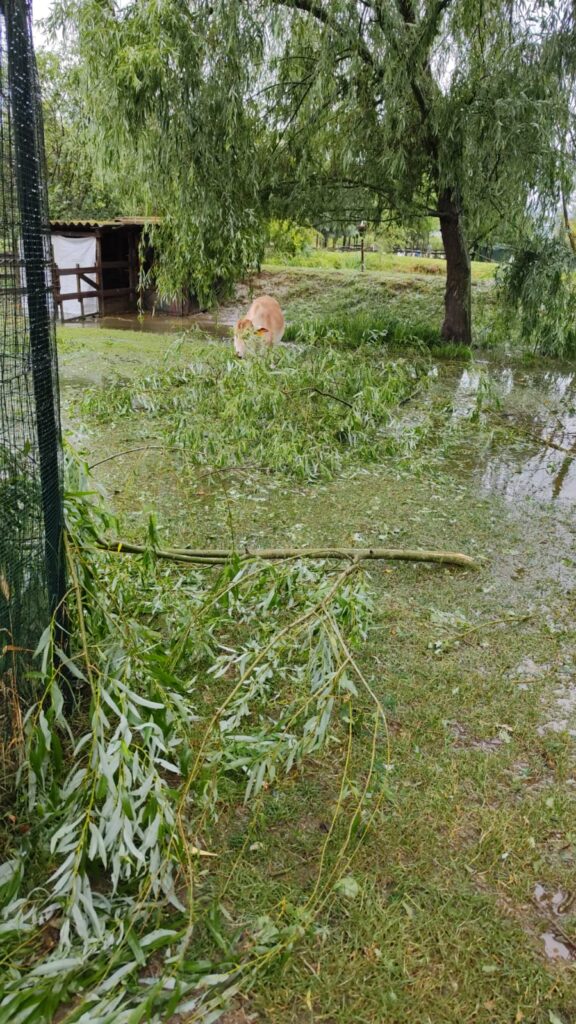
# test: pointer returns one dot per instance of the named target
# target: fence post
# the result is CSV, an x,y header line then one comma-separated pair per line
x,y
24,98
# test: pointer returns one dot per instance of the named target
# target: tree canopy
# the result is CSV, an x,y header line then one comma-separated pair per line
x,y
225,113
75,187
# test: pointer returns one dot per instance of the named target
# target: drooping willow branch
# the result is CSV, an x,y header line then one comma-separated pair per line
x,y
218,556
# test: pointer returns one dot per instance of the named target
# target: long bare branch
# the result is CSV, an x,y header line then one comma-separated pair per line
x,y
222,555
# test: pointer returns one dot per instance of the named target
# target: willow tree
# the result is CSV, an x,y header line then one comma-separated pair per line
x,y
229,111
165,86
73,187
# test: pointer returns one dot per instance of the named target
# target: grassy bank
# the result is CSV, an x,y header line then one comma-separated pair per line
x,y
382,262
403,303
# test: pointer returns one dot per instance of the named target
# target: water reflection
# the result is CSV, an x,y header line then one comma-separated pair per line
x,y
161,324
465,393
554,479
216,327
540,407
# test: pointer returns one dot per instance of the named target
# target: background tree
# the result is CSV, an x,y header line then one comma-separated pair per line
x,y
166,86
538,296
75,186
236,110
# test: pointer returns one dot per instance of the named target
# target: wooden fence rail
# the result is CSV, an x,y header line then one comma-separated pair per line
x,y
93,277
434,254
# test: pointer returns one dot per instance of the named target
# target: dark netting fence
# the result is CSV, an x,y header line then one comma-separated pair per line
x,y
31,517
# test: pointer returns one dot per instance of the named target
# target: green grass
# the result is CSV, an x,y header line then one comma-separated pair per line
x,y
86,338
91,355
353,330
441,927
405,304
305,413
327,259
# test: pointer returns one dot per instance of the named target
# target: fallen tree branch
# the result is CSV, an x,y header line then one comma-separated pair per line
x,y
324,394
219,556
546,442
132,451
211,471
550,444
411,396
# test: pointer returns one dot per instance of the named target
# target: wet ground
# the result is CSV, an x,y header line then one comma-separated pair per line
x,y
531,409
160,324
537,405
488,657
507,470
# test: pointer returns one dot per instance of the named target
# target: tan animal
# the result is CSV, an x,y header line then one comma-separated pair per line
x,y
264,322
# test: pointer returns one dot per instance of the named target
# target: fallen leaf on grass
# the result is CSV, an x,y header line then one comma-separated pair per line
x,y
348,887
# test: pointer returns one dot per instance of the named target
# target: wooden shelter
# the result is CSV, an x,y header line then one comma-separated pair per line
x,y
97,269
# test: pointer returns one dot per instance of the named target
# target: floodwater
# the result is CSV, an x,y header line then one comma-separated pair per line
x,y
219,327
537,414
537,411
554,948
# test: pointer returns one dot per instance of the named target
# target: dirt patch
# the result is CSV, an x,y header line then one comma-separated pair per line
x,y
553,943
463,739
397,285
528,669
559,850
237,1016
532,781
563,709
427,268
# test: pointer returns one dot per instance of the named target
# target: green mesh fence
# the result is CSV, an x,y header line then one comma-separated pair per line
x,y
31,564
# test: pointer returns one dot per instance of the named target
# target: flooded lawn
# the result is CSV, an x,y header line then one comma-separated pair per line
x,y
467,879
539,408
160,324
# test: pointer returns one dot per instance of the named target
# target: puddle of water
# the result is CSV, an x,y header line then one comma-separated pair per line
x,y
216,327
559,902
540,406
555,949
544,477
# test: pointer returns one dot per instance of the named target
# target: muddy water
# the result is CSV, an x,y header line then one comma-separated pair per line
x,y
160,324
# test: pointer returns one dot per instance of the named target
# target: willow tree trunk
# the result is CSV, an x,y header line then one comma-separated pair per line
x,y
457,324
